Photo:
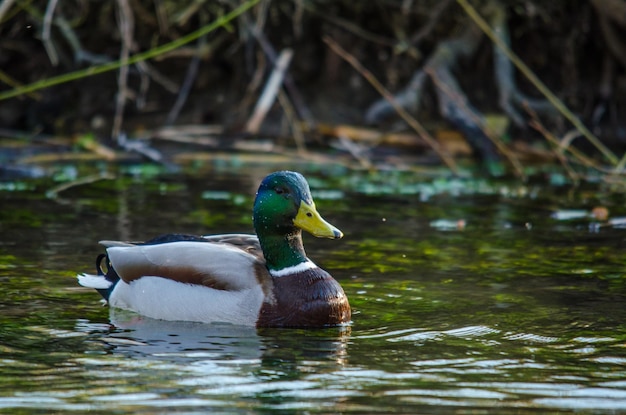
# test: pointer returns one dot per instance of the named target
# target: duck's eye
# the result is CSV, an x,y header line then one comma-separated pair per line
x,y
281,191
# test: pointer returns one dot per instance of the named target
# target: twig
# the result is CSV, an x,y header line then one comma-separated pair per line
x,y
503,68
126,24
96,147
351,27
529,74
150,54
563,144
297,18
45,32
195,130
433,19
253,85
619,169
448,92
296,129
556,148
162,19
411,121
4,7
510,96
454,106
567,139
409,98
298,102
358,151
269,92
80,54
5,78
158,77
206,51
190,78
370,136
144,86
142,148
54,192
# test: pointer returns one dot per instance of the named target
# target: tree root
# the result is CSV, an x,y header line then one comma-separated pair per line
x,y
454,105
411,121
511,98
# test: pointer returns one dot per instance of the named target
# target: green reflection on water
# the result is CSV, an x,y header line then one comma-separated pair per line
x,y
442,318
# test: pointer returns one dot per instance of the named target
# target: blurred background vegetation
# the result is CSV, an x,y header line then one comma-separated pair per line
x,y
401,82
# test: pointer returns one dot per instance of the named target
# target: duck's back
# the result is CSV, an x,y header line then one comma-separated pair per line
x,y
190,281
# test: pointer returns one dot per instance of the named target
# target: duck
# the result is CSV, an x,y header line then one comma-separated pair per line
x,y
263,279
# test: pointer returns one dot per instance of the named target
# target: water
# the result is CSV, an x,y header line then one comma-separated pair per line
x,y
513,313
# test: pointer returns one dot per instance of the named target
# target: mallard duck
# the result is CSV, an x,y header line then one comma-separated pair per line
x,y
263,280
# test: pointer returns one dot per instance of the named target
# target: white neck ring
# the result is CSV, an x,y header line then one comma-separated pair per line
x,y
295,269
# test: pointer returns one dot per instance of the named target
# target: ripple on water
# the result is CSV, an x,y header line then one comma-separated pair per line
x,y
420,335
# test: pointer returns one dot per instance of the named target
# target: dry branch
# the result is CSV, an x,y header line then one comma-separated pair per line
x,y
4,7
290,85
557,149
290,115
522,67
411,121
510,96
370,135
45,32
185,89
126,25
53,193
433,19
454,105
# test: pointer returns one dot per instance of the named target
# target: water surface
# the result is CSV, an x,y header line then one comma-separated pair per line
x,y
515,312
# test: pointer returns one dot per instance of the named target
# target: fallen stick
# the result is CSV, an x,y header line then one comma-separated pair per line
x,y
290,85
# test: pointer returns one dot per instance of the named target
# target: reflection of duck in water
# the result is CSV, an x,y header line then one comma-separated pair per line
x,y
135,335
289,356
264,280
131,334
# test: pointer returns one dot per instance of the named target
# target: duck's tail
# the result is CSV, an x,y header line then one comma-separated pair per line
x,y
104,281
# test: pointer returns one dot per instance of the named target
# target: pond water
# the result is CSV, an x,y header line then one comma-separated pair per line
x,y
467,296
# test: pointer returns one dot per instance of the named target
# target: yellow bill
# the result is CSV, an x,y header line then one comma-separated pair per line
x,y
309,220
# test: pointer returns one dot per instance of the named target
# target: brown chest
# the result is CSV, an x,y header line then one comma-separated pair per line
x,y
308,299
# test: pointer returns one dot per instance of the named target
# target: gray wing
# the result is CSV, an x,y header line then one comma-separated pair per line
x,y
219,265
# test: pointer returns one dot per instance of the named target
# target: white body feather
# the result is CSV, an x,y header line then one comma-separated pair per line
x,y
166,299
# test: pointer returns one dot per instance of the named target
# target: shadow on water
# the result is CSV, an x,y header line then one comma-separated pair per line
x,y
512,312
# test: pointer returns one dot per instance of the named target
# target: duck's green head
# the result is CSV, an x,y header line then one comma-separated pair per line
x,y
283,205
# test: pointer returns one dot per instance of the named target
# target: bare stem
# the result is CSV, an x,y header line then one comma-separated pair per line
x,y
150,54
